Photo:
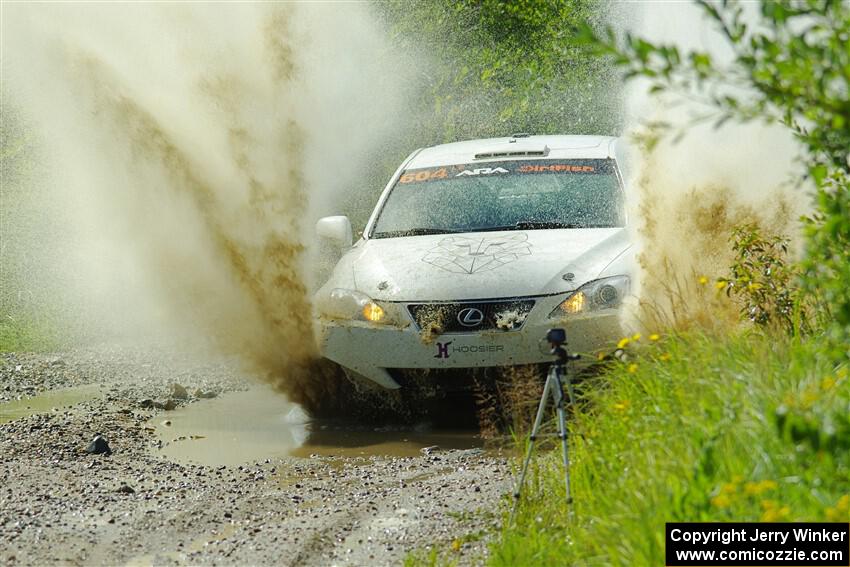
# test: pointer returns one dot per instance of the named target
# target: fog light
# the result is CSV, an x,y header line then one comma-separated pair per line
x,y
575,303
373,312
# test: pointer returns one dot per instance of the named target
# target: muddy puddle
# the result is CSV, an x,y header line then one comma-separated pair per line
x,y
258,424
47,401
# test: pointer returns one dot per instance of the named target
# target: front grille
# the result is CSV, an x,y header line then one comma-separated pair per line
x,y
507,315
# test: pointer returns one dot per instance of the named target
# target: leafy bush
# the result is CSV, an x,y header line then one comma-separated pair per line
x,y
765,283
789,65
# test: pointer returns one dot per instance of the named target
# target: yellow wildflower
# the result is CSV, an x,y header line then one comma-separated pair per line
x,y
664,357
775,514
632,368
624,342
721,501
756,488
841,511
622,406
754,286
809,398
729,488
636,337
456,545
827,383
654,337
702,280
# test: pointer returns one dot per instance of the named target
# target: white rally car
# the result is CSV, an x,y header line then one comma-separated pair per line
x,y
474,250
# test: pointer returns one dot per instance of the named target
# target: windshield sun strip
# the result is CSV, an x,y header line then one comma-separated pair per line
x,y
606,166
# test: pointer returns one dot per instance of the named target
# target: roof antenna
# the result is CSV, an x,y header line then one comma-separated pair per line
x,y
521,135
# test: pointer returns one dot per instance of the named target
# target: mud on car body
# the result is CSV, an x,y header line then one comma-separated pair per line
x,y
473,251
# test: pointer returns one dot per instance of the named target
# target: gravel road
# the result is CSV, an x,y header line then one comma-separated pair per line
x,y
62,505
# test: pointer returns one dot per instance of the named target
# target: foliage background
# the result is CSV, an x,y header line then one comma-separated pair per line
x,y
492,68
28,320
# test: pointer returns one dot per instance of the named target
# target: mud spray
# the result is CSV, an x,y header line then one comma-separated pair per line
x,y
188,150
689,195
183,153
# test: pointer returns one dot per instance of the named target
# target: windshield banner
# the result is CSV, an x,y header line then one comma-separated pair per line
x,y
538,166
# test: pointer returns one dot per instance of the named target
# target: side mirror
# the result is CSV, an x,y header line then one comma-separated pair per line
x,y
337,229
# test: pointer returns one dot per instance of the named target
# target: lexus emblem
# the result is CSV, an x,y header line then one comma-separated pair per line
x,y
470,317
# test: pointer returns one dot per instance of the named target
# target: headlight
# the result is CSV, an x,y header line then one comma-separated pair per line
x,y
594,296
350,304
373,312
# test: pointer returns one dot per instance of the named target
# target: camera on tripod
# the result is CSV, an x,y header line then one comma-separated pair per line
x,y
554,388
557,338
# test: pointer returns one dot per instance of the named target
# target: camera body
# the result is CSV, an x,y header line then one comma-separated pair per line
x,y
557,338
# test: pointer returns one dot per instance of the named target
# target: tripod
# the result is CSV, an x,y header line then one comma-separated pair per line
x,y
553,387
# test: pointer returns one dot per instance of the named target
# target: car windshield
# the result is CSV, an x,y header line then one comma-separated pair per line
x,y
503,195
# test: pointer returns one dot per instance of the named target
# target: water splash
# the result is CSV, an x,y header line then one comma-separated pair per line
x,y
190,150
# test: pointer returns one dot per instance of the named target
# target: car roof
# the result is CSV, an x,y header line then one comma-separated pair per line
x,y
519,146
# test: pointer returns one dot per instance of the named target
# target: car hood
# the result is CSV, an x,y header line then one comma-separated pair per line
x,y
483,265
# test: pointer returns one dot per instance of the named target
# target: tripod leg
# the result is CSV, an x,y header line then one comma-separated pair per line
x,y
562,433
570,391
537,422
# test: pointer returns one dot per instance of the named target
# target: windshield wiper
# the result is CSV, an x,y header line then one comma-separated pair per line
x,y
532,224
414,232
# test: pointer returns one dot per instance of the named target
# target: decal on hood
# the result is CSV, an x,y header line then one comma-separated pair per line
x,y
467,255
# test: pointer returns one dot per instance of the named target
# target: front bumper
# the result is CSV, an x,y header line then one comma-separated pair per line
x,y
370,349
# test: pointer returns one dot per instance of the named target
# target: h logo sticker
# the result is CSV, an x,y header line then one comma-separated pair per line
x,y
443,350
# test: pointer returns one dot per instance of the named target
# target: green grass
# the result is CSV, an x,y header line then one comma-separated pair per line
x,y
743,428
428,558
26,334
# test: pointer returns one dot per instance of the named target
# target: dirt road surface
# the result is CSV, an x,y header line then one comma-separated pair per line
x,y
307,501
